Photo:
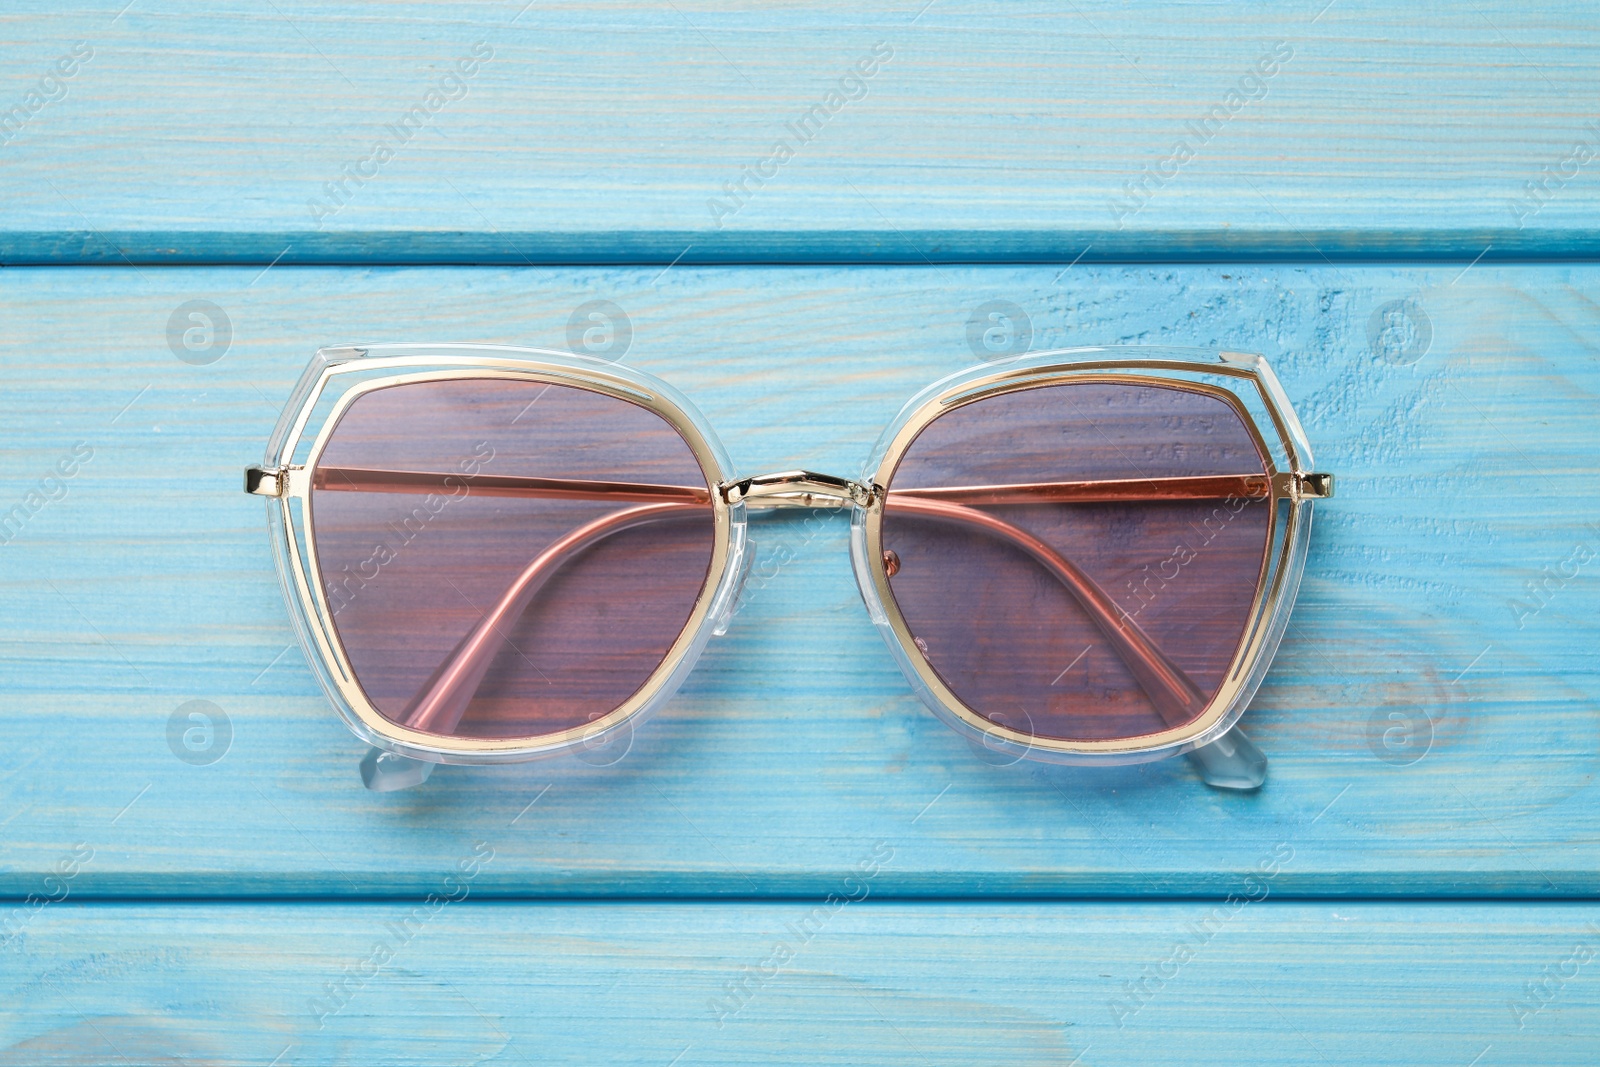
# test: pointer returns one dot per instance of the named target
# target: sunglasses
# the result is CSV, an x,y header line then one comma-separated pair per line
x,y
494,554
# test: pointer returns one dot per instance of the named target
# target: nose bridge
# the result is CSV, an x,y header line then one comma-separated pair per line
x,y
797,489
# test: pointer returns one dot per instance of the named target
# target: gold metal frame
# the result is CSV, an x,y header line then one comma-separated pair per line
x,y
1287,487
292,483
1288,484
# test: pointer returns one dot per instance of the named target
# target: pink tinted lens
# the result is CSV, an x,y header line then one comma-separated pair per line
x,y
506,559
1079,562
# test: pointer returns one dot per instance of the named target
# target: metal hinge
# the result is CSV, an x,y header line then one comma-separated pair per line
x,y
1303,485
270,481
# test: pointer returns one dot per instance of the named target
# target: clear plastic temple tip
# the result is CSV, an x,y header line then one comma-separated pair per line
x,y
1232,761
386,772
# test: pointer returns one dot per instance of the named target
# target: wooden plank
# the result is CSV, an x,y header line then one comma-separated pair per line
x,y
629,133
1464,476
804,982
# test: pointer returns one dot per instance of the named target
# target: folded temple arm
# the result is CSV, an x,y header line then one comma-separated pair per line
x,y
443,699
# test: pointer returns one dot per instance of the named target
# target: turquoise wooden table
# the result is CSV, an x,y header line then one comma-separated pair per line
x,y
1397,206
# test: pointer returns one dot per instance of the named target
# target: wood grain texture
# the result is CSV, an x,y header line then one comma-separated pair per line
x,y
604,132
653,984
1433,718
1463,476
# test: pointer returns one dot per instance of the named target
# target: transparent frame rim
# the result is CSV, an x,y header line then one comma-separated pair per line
x,y
1286,543
1286,448
397,364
